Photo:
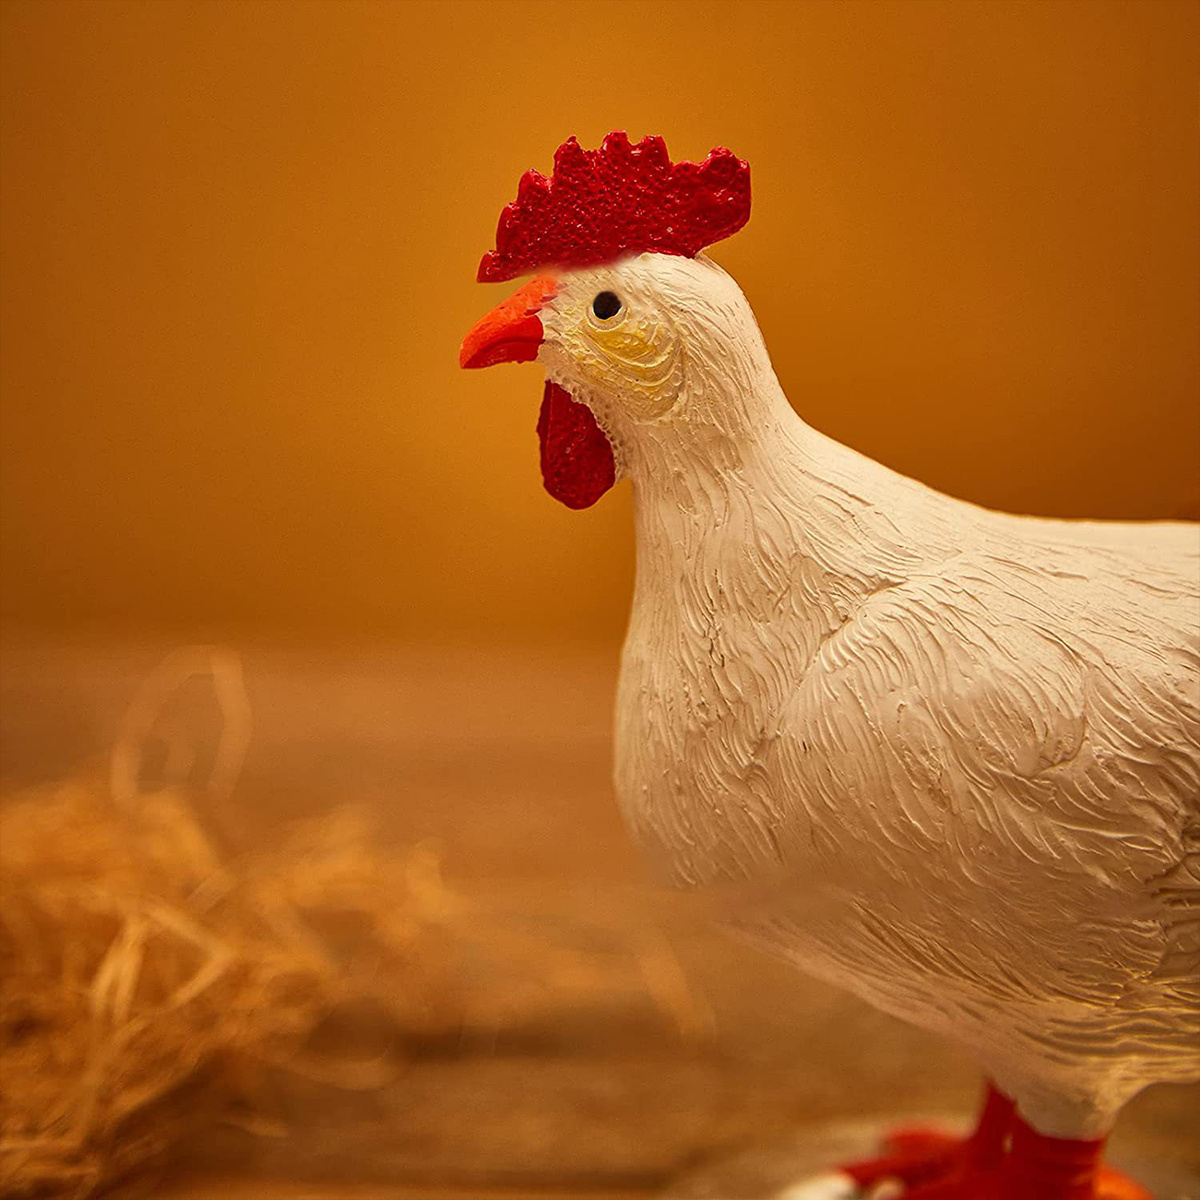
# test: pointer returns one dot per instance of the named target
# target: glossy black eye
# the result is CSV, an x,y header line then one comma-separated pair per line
x,y
606,304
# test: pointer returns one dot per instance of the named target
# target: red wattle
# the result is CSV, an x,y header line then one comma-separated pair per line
x,y
578,466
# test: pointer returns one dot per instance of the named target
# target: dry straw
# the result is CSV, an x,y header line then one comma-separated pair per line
x,y
152,980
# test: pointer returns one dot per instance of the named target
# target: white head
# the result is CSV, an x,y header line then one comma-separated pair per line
x,y
649,347
656,345
663,351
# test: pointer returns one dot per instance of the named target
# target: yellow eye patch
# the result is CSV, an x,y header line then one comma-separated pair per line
x,y
638,359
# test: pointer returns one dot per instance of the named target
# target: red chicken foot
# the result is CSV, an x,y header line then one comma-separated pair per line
x,y
1003,1159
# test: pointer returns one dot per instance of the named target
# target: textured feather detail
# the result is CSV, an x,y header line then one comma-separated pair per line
x,y
944,757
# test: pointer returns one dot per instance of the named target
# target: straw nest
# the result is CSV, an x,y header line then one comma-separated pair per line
x,y
152,981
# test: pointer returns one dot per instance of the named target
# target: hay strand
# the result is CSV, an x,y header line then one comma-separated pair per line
x,y
152,980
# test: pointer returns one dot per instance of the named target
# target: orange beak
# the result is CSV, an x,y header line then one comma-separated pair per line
x,y
512,331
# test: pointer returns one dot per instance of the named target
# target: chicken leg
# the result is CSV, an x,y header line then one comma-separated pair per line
x,y
919,1155
1004,1158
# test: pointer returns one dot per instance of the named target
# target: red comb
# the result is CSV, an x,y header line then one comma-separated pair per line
x,y
620,199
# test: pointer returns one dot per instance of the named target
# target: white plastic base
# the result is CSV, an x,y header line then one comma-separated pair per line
x,y
831,1186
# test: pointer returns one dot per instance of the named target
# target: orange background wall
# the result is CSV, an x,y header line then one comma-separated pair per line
x,y
239,242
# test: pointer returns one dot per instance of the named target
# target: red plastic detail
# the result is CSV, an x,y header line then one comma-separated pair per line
x,y
511,332
578,466
973,1185
1049,1168
911,1155
598,205
923,1156
986,1146
1008,1183
1004,1159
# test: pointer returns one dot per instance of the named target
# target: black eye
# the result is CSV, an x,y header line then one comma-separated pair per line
x,y
606,304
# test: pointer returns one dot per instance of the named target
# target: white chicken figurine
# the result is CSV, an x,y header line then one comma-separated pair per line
x,y
944,757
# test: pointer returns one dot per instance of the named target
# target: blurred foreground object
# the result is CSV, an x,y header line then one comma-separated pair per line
x,y
945,757
155,978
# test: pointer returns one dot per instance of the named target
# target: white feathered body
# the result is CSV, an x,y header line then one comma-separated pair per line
x,y
945,757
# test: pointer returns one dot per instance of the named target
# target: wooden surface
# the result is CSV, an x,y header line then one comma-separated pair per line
x,y
501,760
223,1187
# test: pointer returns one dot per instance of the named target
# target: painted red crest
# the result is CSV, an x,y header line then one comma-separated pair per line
x,y
620,199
